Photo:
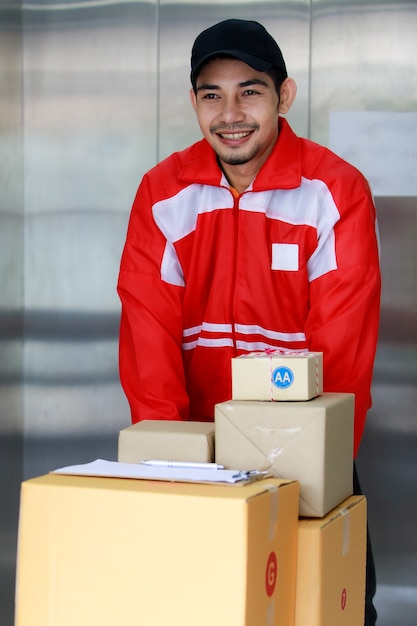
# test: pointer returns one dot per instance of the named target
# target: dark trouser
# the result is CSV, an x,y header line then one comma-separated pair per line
x,y
370,612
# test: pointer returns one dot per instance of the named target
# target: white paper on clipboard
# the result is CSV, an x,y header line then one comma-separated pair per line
x,y
115,469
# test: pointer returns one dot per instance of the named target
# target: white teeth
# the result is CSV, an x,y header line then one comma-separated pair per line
x,y
234,136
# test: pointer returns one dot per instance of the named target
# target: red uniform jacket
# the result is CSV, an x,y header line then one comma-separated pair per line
x,y
292,262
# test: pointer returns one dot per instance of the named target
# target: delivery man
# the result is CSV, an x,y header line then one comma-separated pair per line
x,y
252,238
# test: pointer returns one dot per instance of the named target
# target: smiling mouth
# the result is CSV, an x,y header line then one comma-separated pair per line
x,y
235,136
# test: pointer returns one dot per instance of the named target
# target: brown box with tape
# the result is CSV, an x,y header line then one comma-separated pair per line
x,y
331,567
122,551
311,442
277,376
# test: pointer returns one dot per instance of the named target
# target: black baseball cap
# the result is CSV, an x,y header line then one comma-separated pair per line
x,y
245,40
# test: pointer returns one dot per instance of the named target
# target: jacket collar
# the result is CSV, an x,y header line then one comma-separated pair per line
x,y
282,170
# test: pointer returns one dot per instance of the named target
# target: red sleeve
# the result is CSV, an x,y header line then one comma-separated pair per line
x,y
344,309
150,358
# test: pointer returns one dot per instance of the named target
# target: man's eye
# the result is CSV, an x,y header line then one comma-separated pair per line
x,y
210,96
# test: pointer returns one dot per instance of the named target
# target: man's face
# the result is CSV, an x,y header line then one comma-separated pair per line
x,y
237,110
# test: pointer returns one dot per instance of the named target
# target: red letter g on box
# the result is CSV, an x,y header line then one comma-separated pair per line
x,y
271,574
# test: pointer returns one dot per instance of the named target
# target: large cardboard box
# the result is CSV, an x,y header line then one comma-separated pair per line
x,y
108,551
309,441
170,440
332,566
277,376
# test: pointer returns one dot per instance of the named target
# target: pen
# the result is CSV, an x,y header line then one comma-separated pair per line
x,y
181,464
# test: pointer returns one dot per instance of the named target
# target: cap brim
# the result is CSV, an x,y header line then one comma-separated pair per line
x,y
258,64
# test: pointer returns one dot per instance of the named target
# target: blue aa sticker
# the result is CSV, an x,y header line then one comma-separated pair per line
x,y
282,377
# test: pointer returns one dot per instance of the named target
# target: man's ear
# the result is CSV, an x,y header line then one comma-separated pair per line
x,y
287,95
193,99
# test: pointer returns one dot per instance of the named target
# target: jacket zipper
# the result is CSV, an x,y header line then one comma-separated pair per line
x,y
234,271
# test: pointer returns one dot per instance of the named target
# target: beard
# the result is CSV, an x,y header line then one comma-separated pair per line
x,y
235,156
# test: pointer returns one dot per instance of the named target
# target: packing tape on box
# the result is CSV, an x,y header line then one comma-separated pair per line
x,y
345,531
273,517
270,614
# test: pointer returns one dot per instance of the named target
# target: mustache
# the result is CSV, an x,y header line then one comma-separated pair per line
x,y
237,127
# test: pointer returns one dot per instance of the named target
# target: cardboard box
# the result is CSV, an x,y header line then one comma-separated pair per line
x,y
311,442
170,440
263,376
113,551
331,567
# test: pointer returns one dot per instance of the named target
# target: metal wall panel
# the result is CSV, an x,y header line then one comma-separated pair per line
x,y
363,57
364,60
11,298
11,219
90,123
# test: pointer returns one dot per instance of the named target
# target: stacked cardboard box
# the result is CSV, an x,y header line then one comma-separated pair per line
x,y
280,421
310,441
331,567
277,375
120,551
167,440
287,550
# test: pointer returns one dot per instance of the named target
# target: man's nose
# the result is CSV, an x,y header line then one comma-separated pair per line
x,y
232,111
